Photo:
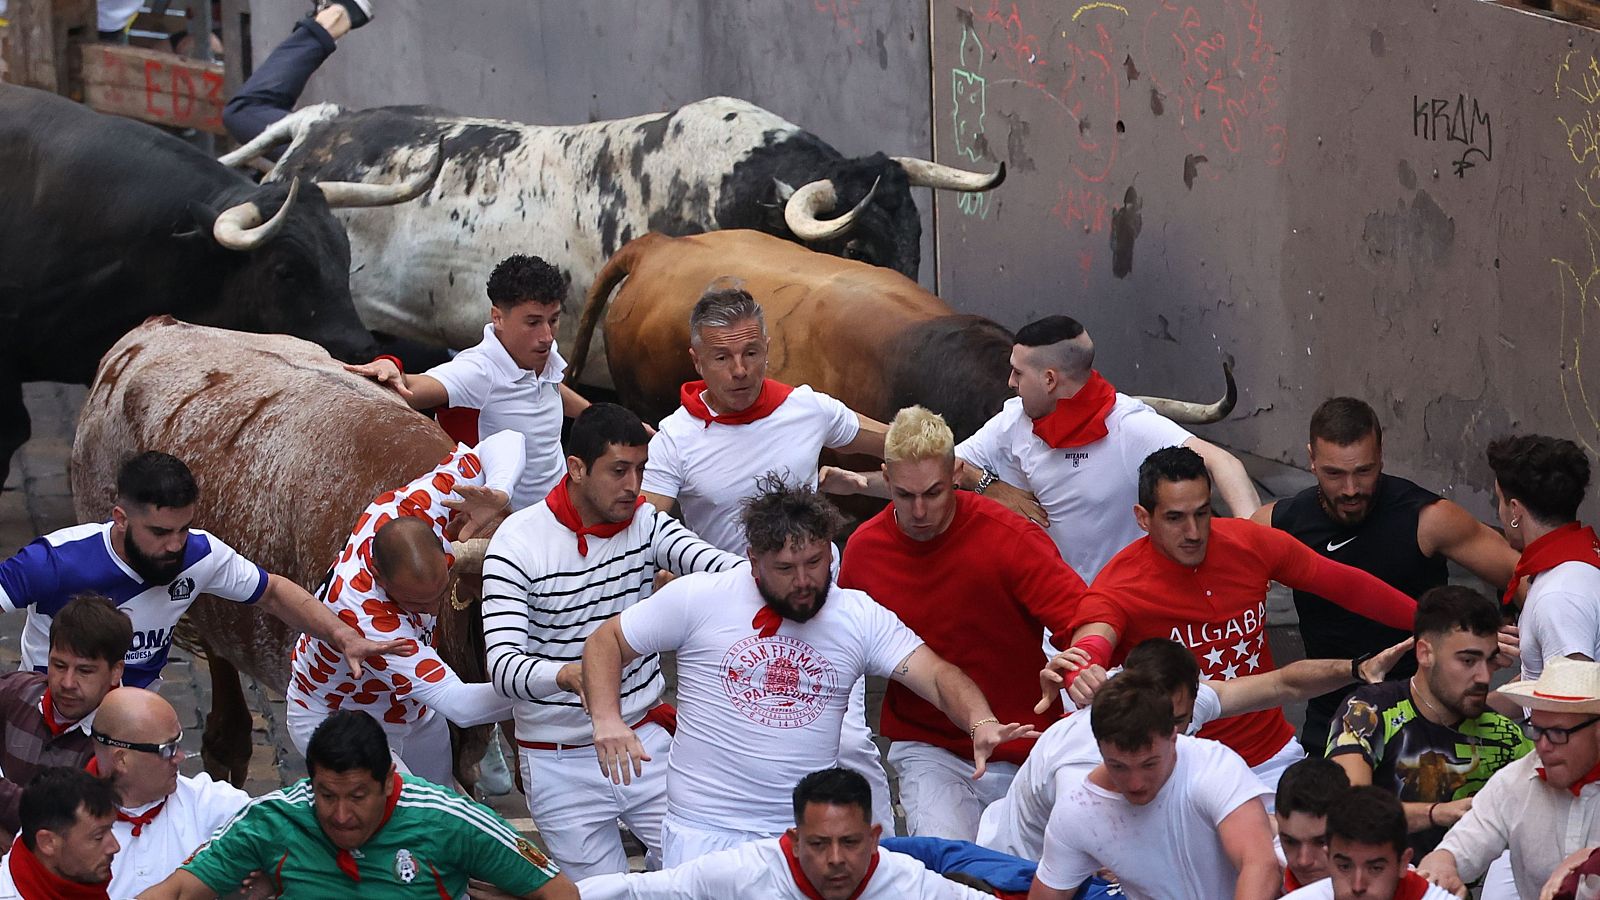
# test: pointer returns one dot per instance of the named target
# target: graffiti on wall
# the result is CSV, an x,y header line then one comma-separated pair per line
x,y
1577,89
1453,120
970,102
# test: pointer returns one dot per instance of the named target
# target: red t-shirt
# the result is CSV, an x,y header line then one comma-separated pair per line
x,y
980,595
1219,611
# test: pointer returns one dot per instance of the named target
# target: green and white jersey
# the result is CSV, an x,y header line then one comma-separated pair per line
x,y
431,841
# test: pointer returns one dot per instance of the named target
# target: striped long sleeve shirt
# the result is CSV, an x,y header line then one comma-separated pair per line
x,y
542,599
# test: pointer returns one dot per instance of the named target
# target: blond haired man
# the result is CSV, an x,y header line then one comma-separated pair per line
x,y
979,585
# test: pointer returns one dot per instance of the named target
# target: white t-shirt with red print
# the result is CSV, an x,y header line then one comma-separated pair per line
x,y
399,690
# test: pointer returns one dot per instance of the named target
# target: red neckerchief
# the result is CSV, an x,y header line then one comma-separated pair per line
x,y
1412,887
57,727
1569,885
1290,883
560,502
1589,777
1079,419
772,395
804,883
767,621
1572,542
35,882
345,860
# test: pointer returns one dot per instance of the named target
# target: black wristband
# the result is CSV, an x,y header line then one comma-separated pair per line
x,y
1355,668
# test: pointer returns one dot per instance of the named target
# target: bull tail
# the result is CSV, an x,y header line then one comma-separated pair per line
x,y
611,274
289,128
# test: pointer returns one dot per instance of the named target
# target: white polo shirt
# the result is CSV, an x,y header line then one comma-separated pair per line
x,y
1561,616
1413,885
1088,492
508,397
711,467
193,811
756,714
1063,755
1167,849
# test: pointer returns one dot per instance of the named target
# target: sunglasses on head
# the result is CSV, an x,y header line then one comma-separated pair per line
x,y
165,750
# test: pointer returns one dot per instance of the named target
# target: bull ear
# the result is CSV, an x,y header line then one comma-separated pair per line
x,y
202,218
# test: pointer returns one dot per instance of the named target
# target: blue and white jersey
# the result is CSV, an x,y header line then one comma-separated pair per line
x,y
49,572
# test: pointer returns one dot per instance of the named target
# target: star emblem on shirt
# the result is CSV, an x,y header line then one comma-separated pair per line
x,y
1230,672
1253,661
1215,658
1241,649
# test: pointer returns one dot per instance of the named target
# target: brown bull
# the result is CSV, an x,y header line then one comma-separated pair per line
x,y
287,449
866,335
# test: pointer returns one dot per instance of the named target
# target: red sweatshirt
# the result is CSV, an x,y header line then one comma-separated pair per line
x,y
1219,611
980,595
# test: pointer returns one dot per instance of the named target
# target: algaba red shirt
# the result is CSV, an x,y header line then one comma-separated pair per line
x,y
1219,611
980,595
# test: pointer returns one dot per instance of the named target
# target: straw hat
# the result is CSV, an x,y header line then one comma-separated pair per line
x,y
1566,686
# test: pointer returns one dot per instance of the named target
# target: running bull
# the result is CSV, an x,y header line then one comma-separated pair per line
x,y
288,449
870,337
575,194
105,221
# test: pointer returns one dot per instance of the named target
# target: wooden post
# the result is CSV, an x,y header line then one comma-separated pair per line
x,y
200,50
36,44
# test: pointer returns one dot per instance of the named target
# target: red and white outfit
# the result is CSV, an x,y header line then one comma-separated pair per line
x,y
1561,615
768,870
159,837
980,594
548,583
24,877
1086,484
406,694
1411,887
487,389
1167,849
760,699
712,462
1219,611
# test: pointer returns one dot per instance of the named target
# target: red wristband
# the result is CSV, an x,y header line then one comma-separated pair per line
x,y
1099,649
394,359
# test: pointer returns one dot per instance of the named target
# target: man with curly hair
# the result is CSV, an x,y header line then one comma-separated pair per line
x,y
1538,484
509,380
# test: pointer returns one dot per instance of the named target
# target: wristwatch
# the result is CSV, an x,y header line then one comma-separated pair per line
x,y
1355,669
989,477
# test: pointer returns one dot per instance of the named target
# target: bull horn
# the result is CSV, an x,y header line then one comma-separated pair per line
x,y
469,555
353,194
800,213
924,173
240,228
1199,413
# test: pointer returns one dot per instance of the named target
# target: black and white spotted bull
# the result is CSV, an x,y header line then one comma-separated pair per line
x,y
574,194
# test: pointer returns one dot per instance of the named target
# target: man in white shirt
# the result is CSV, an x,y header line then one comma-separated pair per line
x,y
162,817
511,380
152,566
1175,817
735,427
831,852
1369,853
1539,483
1307,790
1546,805
1076,443
553,574
1067,751
390,579
66,844
766,659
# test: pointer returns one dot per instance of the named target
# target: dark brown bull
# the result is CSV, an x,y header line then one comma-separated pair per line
x,y
287,448
865,335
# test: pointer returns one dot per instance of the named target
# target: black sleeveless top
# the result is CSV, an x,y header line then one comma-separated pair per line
x,y
1384,544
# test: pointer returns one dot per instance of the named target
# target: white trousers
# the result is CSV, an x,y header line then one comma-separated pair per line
x,y
937,791
858,751
683,840
421,748
1270,771
576,807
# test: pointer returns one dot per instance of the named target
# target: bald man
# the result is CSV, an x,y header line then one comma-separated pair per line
x,y
162,816
391,580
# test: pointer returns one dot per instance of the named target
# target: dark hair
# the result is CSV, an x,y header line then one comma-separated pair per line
x,y
520,278
91,626
601,426
1131,712
1173,464
1369,815
1168,663
1048,330
1310,786
52,799
349,740
1342,421
1549,475
779,515
837,786
154,478
1452,607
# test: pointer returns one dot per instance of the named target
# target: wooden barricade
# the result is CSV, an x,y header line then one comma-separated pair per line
x,y
153,86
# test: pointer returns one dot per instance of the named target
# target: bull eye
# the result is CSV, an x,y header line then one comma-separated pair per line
x,y
857,250
283,272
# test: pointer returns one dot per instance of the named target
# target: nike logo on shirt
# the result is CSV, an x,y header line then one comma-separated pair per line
x,y
1332,546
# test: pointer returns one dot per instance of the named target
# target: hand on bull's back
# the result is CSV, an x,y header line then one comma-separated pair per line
x,y
384,372
479,509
